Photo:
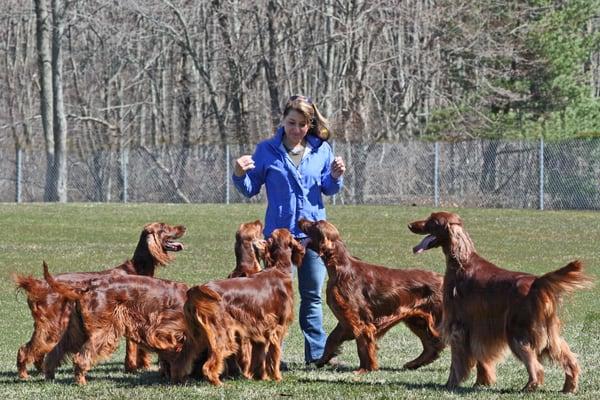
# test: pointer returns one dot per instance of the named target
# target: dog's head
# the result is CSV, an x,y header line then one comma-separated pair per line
x,y
438,228
159,239
249,249
281,245
321,235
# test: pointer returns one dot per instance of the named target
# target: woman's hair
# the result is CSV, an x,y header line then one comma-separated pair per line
x,y
319,126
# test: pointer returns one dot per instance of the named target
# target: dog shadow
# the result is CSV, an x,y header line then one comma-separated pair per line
x,y
436,387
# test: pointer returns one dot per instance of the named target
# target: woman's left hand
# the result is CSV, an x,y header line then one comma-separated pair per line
x,y
338,167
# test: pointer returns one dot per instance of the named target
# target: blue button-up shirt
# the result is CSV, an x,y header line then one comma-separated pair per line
x,y
292,192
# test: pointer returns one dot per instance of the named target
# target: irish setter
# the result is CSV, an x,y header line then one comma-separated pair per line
x,y
222,314
247,254
146,310
487,308
51,312
369,299
249,251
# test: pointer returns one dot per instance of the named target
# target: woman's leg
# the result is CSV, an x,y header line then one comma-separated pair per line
x,y
311,276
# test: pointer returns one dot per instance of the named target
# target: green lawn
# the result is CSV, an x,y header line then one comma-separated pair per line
x,y
87,237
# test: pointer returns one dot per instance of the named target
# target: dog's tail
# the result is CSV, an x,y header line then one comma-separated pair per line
x,y
69,292
201,307
36,289
553,285
546,294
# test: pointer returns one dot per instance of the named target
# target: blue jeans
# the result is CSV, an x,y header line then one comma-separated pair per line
x,y
311,276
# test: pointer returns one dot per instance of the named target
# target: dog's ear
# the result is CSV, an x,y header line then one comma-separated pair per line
x,y
297,253
260,248
152,240
454,219
267,256
444,219
304,225
328,234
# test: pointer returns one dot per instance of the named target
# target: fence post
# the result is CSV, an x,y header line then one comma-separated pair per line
x,y
541,162
436,174
19,174
333,150
227,173
124,172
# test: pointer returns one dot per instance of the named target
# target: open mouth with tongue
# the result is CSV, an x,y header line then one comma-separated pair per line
x,y
427,243
170,245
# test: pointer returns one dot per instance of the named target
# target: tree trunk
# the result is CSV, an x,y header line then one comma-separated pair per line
x,y
43,29
270,63
60,119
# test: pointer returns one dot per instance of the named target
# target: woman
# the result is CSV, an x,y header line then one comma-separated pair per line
x,y
297,166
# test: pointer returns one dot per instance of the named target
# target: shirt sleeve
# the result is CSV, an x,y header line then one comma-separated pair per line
x,y
329,184
249,185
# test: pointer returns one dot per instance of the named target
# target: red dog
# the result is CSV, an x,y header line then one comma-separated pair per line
x,y
487,309
369,299
259,309
247,253
50,311
146,310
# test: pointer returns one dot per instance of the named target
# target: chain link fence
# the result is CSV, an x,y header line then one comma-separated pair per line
x,y
482,173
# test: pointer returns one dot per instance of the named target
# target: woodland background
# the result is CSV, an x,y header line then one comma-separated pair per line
x,y
78,77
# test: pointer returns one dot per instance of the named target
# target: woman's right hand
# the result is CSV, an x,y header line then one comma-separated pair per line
x,y
243,165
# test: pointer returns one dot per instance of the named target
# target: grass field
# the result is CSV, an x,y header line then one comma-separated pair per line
x,y
88,237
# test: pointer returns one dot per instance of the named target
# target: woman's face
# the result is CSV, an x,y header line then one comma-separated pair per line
x,y
296,126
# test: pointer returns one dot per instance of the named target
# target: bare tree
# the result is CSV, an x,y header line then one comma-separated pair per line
x,y
59,170
43,35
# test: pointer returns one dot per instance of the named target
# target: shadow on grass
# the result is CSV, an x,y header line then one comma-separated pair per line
x,y
101,372
154,379
463,390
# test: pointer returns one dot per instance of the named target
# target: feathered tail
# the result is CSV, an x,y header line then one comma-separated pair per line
x,y
553,285
69,292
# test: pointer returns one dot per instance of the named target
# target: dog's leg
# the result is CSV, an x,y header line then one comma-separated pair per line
x,y
136,357
569,363
164,367
81,365
183,364
367,350
462,361
432,343
486,373
522,349
338,335
144,358
27,354
42,341
244,358
53,360
274,358
71,342
38,360
460,367
213,366
131,358
23,359
100,345
259,357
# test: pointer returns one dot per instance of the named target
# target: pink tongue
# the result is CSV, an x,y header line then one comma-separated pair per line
x,y
424,245
175,246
